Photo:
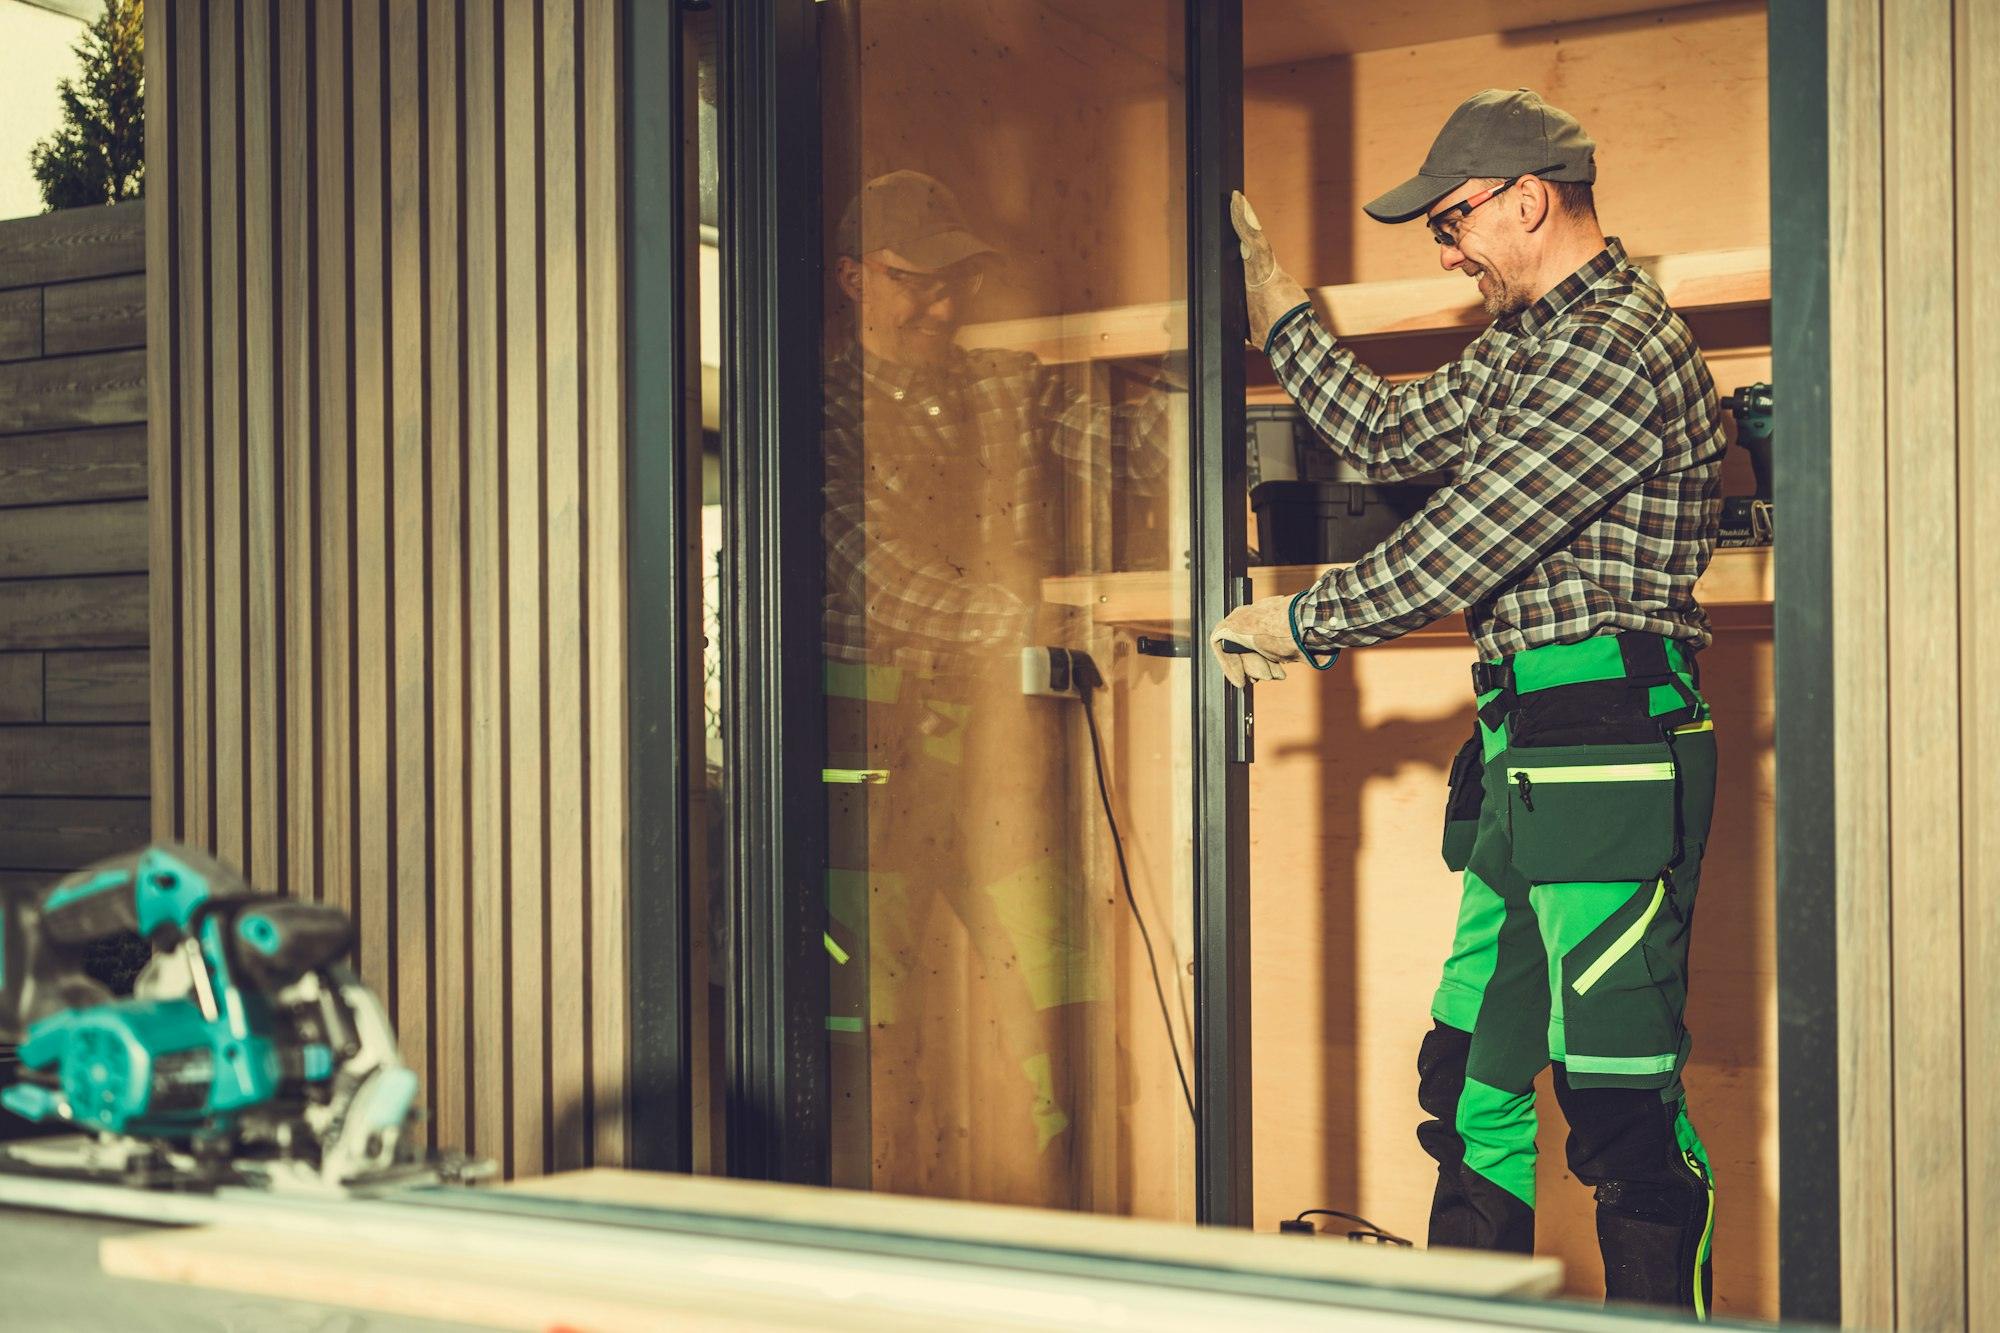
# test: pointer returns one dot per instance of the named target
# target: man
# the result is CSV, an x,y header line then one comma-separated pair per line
x,y
946,473
1582,439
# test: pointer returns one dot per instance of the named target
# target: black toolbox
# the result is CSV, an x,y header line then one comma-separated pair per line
x,y
1312,506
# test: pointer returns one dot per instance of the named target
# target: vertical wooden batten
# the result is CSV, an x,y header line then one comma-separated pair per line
x,y
385,270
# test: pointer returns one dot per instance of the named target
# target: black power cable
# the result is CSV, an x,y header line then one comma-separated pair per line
x,y
1369,1231
1083,679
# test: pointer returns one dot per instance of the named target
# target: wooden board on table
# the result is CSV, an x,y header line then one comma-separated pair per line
x,y
492,1293
1047,1229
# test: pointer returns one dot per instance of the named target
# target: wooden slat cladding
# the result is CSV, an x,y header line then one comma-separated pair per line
x,y
1916,503
389,416
74,553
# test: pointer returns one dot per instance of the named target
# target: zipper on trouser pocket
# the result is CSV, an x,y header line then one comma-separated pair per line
x,y
1526,778
1623,945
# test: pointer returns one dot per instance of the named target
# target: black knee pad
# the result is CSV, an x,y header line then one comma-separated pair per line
x,y
1620,1134
1440,1083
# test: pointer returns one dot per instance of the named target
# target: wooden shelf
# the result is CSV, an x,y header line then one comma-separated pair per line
x,y
1736,591
1360,311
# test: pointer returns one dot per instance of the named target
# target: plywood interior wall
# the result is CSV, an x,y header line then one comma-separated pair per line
x,y
1676,99
1915,301
384,280
74,766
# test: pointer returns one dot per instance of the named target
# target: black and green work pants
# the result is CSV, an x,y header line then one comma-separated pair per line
x,y
1578,813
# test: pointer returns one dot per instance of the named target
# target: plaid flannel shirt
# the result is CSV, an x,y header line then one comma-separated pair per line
x,y
944,489
1583,442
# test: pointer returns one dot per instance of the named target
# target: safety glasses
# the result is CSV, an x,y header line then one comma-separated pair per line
x,y
929,287
1446,223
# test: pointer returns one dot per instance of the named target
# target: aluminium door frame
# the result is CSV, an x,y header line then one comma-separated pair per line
x,y
773,583
1809,1260
662,587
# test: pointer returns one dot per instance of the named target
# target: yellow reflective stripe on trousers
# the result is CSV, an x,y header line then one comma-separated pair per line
x,y
1657,772
1707,1233
1623,944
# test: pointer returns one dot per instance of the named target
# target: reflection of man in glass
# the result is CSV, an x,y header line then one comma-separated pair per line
x,y
946,473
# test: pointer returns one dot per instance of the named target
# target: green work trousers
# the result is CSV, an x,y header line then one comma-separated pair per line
x,y
1579,814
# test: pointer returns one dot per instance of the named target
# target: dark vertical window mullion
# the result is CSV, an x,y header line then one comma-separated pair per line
x,y
657,351
772,583
1809,1262
1217,552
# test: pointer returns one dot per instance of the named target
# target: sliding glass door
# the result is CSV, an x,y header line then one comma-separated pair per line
x,y
985,784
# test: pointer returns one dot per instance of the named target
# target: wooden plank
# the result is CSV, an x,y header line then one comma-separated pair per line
x,y
20,324
261,519
526,550
74,465
195,387
20,687
227,349
37,833
1362,311
373,812
73,243
1737,578
60,393
1976,53
451,1092
486,612
74,761
550,1278
568,597
604,450
863,1211
1925,762
104,612
159,445
333,446
100,315
297,423
408,518
108,538
112,686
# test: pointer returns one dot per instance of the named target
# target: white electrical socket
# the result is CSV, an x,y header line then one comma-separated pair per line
x,y
1046,672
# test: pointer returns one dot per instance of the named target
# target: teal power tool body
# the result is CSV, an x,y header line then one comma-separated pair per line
x,y
246,1052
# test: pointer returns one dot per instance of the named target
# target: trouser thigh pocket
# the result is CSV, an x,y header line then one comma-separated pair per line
x,y
1465,792
1590,812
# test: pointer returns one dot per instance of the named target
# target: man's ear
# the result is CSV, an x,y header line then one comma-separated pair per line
x,y
1537,204
847,275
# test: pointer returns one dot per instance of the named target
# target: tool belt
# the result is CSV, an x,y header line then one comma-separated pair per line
x,y
1641,660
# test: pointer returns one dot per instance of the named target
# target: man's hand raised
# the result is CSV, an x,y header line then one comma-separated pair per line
x,y
1271,291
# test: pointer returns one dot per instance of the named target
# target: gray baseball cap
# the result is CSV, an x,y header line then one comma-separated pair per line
x,y
1496,133
915,215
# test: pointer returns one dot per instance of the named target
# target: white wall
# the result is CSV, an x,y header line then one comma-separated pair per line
x,y
35,53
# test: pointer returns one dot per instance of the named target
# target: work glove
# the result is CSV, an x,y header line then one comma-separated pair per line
x,y
1264,629
1270,290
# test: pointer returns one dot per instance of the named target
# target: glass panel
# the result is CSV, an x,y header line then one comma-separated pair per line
x,y
1005,468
